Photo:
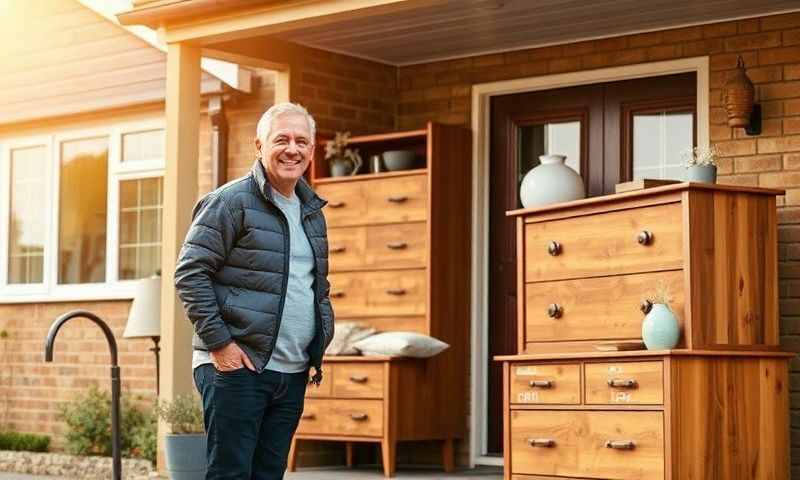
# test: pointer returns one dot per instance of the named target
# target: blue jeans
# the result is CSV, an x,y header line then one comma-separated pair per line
x,y
250,419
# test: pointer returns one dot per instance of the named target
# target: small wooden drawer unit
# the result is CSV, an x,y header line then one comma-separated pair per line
x,y
646,415
588,269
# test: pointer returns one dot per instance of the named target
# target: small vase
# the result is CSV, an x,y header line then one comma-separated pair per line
x,y
702,173
551,182
660,329
340,169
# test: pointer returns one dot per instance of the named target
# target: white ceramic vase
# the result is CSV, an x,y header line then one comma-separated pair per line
x,y
551,182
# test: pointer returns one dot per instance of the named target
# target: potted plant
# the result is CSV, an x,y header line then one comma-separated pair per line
x,y
660,328
342,161
186,445
701,164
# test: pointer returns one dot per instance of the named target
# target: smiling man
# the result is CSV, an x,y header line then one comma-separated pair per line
x,y
252,275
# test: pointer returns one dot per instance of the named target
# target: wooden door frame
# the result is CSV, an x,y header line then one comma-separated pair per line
x,y
481,97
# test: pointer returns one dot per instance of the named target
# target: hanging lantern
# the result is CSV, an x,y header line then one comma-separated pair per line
x,y
739,97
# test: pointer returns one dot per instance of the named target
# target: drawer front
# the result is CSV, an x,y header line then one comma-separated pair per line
x,y
603,308
402,245
399,199
546,384
363,418
588,444
325,388
346,203
605,244
347,247
358,380
385,293
625,383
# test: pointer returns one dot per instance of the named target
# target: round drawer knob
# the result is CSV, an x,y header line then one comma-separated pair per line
x,y
645,237
646,306
554,248
555,310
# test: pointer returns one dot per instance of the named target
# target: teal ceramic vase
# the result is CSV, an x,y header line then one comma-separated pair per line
x,y
702,173
660,329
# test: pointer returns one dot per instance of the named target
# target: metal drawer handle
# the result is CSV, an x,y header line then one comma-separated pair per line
x,y
542,442
542,383
396,291
646,306
308,416
337,294
358,379
622,383
359,417
336,204
400,199
555,310
645,237
396,245
338,249
621,444
554,248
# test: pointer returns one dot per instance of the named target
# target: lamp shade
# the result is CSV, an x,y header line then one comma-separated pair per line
x,y
144,319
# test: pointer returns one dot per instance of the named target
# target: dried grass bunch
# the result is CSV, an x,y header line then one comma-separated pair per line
x,y
704,156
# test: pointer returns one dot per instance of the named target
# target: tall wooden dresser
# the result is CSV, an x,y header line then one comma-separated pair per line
x,y
715,408
399,261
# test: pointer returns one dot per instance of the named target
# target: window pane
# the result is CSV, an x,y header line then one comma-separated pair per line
x,y
140,146
82,224
140,228
561,138
28,222
658,140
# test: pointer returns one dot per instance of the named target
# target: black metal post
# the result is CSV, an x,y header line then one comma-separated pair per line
x,y
115,378
156,349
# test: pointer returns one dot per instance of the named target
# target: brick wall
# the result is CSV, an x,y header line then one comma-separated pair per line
x,y
31,390
770,47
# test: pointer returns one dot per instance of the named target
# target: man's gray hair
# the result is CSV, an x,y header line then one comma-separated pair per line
x,y
265,124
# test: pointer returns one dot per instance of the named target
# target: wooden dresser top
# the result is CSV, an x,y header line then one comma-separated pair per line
x,y
666,189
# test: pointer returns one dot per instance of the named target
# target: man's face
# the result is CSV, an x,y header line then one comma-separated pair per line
x,y
288,149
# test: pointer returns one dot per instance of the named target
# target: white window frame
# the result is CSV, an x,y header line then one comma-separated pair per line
x,y
118,171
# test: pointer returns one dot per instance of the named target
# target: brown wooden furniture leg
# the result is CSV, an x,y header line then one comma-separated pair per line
x,y
388,452
291,463
448,455
348,448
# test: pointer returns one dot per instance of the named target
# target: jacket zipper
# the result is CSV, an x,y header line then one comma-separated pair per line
x,y
286,245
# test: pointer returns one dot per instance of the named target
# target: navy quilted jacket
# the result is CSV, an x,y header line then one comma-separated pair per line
x,y
233,268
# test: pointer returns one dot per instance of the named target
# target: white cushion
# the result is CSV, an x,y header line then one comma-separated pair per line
x,y
345,335
401,344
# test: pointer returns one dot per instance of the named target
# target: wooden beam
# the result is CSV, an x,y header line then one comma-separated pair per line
x,y
180,195
236,23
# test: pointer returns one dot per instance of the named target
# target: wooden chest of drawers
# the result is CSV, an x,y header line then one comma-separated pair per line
x,y
647,415
716,408
587,268
399,254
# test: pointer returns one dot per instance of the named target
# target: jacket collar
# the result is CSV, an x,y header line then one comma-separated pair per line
x,y
309,200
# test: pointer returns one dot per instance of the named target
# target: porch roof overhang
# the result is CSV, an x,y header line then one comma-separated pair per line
x,y
403,32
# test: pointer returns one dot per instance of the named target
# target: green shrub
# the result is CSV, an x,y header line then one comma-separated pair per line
x,y
88,420
27,442
184,415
